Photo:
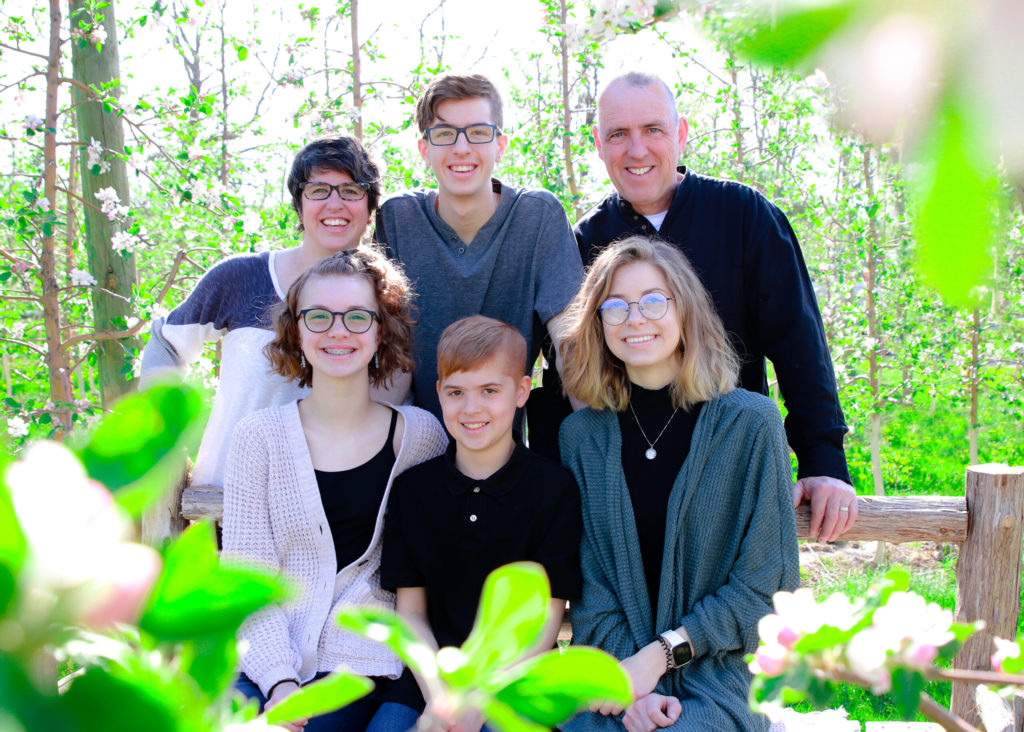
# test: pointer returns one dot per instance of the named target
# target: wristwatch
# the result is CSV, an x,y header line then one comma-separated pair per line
x,y
678,651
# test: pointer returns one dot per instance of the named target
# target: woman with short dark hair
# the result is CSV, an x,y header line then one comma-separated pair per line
x,y
335,187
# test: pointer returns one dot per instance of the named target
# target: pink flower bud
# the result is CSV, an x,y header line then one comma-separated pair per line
x,y
769,659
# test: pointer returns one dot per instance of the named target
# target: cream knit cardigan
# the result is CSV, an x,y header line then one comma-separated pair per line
x,y
273,517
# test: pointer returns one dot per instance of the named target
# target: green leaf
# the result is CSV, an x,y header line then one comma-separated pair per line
x,y
101,702
827,636
242,51
795,35
502,717
211,661
195,596
554,686
12,548
954,222
387,628
907,685
329,693
138,450
20,699
512,613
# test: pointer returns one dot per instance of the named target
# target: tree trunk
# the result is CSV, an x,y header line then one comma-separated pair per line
x,y
737,119
115,273
974,374
357,91
58,364
223,99
570,170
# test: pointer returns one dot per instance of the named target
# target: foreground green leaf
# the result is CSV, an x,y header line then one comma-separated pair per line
x,y
387,628
554,686
502,717
12,549
101,702
195,596
794,35
907,685
954,223
513,611
329,693
138,450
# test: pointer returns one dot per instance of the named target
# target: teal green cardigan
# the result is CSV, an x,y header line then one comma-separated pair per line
x,y
730,544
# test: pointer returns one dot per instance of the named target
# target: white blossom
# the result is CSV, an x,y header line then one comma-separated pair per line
x,y
251,222
43,203
118,574
95,153
122,241
33,122
107,195
98,34
81,278
17,427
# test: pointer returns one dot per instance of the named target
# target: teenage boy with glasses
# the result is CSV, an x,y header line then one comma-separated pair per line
x,y
473,245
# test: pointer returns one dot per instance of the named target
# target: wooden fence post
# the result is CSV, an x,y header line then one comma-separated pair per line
x,y
163,520
988,571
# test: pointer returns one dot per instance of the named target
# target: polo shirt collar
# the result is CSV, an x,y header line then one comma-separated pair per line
x,y
490,226
498,484
625,205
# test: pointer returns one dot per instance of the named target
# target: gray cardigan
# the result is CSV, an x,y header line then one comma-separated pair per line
x,y
730,544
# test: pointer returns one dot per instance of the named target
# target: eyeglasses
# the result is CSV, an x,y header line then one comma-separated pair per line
x,y
444,135
317,191
356,320
615,310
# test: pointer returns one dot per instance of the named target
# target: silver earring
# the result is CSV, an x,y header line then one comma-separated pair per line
x,y
302,360
376,360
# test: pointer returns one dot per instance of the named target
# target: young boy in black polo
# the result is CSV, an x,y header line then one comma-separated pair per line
x,y
487,502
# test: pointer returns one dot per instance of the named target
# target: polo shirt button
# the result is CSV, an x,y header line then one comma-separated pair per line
x,y
462,250
476,489
472,517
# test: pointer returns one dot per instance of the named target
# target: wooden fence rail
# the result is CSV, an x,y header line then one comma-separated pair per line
x,y
987,522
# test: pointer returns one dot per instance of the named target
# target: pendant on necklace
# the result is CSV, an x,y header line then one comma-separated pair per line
x,y
651,453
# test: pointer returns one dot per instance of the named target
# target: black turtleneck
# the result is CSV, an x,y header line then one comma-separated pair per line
x,y
650,481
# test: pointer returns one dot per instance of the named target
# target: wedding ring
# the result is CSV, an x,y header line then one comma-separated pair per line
x,y
844,508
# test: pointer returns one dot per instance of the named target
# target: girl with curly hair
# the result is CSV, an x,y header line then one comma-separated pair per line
x,y
307,482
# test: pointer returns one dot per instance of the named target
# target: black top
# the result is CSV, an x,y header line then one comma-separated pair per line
x,y
650,481
747,256
446,532
352,499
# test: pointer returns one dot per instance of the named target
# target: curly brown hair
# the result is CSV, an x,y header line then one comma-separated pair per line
x,y
394,315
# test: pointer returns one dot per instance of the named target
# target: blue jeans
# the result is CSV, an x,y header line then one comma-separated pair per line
x,y
352,718
395,717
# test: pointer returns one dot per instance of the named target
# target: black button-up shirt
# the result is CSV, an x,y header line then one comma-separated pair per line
x,y
446,532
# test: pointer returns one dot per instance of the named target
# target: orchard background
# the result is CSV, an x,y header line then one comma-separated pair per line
x,y
140,143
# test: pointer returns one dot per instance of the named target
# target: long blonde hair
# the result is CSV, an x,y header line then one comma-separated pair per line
x,y
594,375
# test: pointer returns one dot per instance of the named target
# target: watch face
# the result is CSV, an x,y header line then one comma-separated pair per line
x,y
682,654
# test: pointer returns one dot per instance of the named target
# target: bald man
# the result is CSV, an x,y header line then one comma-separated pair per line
x,y
748,258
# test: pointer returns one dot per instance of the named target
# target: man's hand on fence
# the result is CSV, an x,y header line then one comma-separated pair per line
x,y
833,505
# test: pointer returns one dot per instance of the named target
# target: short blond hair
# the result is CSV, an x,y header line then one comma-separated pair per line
x,y
594,375
469,342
